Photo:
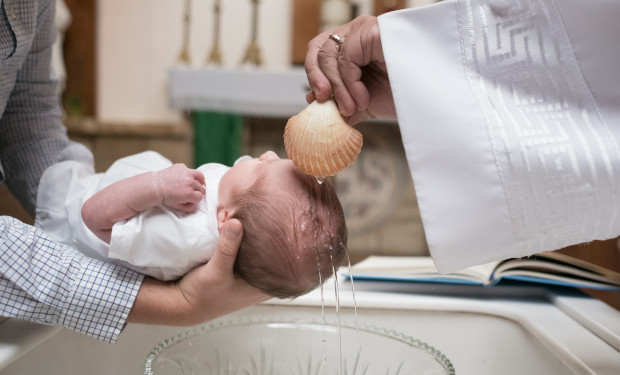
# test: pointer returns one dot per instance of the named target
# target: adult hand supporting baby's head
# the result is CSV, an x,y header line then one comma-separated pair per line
x,y
205,293
213,287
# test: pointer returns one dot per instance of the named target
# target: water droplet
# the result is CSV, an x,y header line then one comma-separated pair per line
x,y
322,313
357,326
320,180
337,295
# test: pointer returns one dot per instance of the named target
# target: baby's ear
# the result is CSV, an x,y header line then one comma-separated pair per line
x,y
223,214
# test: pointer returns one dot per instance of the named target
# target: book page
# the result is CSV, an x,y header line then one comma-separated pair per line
x,y
554,255
544,267
560,279
417,268
536,269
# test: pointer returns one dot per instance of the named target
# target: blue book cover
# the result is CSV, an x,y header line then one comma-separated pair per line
x,y
545,268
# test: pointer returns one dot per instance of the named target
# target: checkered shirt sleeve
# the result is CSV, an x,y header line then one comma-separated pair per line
x,y
48,283
31,130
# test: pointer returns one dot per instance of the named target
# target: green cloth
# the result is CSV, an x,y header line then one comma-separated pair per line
x,y
217,137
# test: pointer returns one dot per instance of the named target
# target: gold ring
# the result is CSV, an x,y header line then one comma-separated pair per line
x,y
338,40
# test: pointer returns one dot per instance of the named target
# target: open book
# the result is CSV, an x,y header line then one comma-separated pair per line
x,y
548,268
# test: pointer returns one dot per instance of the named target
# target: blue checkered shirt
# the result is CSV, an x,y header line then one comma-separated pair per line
x,y
49,283
41,280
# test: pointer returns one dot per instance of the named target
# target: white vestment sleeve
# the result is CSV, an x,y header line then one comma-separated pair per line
x,y
510,118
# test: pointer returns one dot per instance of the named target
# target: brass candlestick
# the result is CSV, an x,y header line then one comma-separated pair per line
x,y
215,56
252,53
184,56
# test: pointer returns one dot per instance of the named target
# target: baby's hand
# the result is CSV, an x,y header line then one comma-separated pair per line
x,y
180,188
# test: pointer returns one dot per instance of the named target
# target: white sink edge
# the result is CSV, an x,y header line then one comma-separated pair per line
x,y
554,322
19,337
600,318
546,318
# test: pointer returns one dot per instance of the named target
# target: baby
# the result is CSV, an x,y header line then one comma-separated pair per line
x,y
163,219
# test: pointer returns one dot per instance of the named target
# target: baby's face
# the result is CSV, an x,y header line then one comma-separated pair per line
x,y
279,172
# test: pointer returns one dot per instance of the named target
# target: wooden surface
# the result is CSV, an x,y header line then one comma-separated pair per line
x,y
306,25
80,58
605,254
9,206
384,6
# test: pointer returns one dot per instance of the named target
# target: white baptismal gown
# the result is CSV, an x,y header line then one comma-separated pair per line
x,y
159,242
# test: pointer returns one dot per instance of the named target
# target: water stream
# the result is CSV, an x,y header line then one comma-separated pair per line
x,y
341,364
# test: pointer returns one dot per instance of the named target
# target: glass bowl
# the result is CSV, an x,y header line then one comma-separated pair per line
x,y
274,346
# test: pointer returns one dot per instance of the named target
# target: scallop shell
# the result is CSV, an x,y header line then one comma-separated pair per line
x,y
319,141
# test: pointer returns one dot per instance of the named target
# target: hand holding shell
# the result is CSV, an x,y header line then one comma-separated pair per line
x,y
319,141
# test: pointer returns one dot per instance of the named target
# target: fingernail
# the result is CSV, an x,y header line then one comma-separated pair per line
x,y
233,229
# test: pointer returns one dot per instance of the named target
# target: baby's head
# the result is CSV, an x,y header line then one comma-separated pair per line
x,y
294,228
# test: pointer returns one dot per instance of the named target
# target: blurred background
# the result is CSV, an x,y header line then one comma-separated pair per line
x,y
118,56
